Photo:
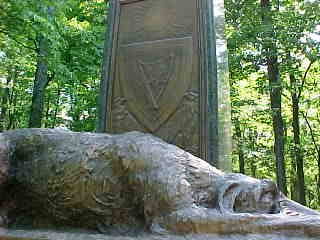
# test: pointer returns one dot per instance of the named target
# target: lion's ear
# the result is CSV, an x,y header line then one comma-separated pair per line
x,y
268,186
227,196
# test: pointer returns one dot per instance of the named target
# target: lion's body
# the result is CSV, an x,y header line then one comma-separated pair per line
x,y
85,180
125,183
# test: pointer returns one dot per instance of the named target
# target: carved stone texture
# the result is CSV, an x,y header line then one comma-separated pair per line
x,y
58,235
134,182
163,67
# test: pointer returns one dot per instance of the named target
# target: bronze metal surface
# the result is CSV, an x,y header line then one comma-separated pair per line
x,y
167,73
156,79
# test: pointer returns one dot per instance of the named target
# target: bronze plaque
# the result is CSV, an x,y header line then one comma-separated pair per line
x,y
148,73
155,63
161,71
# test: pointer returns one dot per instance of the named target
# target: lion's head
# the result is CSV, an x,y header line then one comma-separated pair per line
x,y
243,194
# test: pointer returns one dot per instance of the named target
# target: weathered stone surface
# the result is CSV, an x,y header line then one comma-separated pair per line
x,y
134,183
53,235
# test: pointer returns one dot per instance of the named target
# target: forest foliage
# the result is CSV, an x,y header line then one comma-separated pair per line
x,y
50,62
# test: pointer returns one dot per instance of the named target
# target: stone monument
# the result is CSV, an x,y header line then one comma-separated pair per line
x,y
134,184
167,68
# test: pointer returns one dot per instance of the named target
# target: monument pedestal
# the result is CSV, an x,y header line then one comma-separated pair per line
x,y
52,235
167,75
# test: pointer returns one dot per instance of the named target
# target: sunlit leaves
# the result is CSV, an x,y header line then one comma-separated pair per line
x,y
297,34
75,32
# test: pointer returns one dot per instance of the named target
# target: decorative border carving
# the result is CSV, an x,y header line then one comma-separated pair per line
x,y
208,82
107,81
122,2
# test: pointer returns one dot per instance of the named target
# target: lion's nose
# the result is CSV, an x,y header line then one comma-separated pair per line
x,y
275,208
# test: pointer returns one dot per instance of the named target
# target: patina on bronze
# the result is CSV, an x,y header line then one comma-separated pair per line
x,y
165,77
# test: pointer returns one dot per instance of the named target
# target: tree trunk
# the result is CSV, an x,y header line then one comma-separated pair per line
x,y
270,52
41,79
253,137
240,147
57,104
12,111
301,198
317,150
293,170
293,176
6,98
40,83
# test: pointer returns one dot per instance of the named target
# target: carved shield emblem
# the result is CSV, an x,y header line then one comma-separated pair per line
x,y
154,76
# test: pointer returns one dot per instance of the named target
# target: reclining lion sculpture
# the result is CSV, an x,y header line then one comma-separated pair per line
x,y
134,182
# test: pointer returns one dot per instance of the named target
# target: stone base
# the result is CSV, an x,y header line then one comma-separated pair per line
x,y
57,235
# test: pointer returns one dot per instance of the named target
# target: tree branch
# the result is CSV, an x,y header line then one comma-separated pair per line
x,y
304,79
312,136
285,96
